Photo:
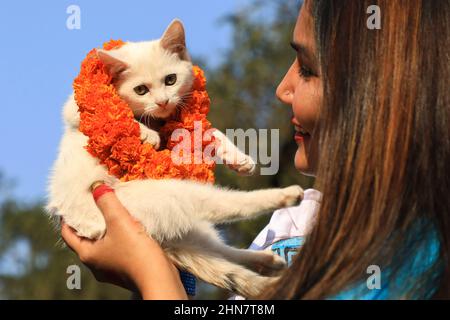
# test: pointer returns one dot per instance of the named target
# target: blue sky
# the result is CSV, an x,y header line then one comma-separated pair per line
x,y
40,56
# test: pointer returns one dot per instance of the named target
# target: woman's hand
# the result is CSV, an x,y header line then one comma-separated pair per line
x,y
126,255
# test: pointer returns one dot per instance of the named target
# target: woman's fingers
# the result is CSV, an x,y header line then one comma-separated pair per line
x,y
111,207
107,202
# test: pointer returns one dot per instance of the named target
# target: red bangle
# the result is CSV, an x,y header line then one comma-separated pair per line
x,y
100,190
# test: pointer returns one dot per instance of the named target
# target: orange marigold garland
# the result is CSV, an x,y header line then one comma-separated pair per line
x,y
114,135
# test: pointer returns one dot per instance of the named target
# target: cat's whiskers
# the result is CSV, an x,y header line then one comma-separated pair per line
x,y
187,95
142,115
183,103
148,118
182,106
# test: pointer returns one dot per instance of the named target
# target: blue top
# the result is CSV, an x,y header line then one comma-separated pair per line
x,y
417,274
417,277
419,267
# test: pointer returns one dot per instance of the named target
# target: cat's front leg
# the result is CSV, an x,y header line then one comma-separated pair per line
x,y
227,205
231,156
150,136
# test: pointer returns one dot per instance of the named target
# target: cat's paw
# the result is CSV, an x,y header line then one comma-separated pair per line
x,y
150,136
277,263
267,263
291,196
91,230
245,166
231,156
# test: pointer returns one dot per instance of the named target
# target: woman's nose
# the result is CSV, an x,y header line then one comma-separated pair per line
x,y
285,90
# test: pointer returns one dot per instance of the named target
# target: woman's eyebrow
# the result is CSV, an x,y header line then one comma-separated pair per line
x,y
303,51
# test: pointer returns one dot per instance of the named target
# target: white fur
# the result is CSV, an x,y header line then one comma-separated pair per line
x,y
179,214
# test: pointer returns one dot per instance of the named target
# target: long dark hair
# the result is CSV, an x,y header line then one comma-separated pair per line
x,y
384,130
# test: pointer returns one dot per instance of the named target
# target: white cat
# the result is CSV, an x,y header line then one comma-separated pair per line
x,y
154,78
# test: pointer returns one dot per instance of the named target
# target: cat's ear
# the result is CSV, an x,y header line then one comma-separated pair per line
x,y
112,60
174,40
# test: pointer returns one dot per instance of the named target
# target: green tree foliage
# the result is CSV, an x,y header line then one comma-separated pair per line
x,y
33,262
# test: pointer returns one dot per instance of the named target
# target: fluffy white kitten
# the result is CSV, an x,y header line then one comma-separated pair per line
x,y
154,78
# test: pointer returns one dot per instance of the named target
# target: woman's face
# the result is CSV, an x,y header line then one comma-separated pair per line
x,y
301,88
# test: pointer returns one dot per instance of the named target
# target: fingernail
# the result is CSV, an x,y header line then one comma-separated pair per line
x,y
96,184
99,189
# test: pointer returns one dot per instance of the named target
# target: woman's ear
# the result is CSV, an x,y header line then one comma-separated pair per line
x,y
112,61
174,39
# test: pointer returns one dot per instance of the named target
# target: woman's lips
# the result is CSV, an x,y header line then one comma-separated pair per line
x,y
300,132
299,137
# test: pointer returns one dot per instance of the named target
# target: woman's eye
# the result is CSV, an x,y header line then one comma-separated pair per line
x,y
141,90
170,79
305,72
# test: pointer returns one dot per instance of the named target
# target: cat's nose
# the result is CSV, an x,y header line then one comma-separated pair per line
x,y
162,104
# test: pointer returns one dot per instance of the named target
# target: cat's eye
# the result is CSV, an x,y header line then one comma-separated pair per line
x,y
170,79
141,90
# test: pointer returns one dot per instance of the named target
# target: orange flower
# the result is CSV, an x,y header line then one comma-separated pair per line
x,y
114,136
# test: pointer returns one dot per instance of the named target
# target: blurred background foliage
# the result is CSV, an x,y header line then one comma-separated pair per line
x,y
33,261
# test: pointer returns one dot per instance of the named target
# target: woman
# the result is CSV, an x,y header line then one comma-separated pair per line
x,y
384,153
376,108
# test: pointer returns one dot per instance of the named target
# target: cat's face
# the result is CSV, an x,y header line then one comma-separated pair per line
x,y
153,77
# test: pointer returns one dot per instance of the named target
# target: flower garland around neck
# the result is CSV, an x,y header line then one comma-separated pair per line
x,y
114,135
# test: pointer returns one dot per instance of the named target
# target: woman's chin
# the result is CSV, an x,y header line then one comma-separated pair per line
x,y
301,163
